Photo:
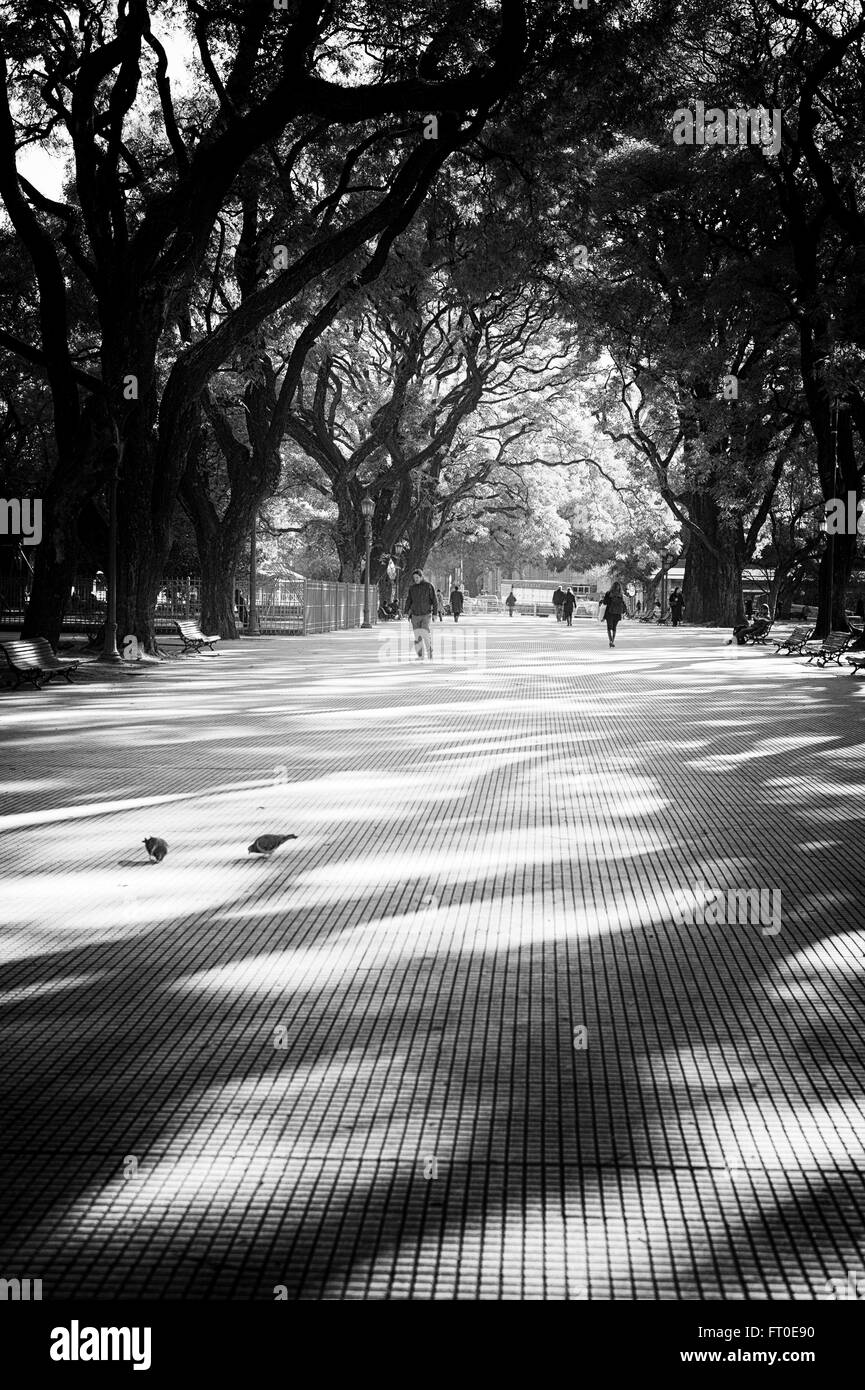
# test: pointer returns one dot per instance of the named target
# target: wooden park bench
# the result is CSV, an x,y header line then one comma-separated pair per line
x,y
193,638
794,641
31,659
830,648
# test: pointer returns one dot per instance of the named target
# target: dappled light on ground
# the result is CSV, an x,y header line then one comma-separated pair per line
x,y
489,860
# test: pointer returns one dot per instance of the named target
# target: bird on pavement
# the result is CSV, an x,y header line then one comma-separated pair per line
x,y
156,848
266,844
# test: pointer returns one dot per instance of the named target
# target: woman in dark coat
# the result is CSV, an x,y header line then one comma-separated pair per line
x,y
568,607
456,602
613,603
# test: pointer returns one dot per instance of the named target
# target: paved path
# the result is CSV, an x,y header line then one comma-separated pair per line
x,y
453,1041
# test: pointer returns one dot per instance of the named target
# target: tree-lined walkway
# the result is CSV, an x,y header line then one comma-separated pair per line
x,y
452,1041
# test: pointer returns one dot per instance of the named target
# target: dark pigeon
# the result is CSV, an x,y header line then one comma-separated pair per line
x,y
266,844
156,848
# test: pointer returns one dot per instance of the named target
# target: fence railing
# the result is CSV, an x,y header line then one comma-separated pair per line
x,y
285,606
85,609
308,606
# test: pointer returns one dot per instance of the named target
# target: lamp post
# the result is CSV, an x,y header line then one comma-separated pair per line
x,y
665,565
829,536
367,506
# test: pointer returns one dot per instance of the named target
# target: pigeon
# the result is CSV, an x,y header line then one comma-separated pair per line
x,y
266,844
156,848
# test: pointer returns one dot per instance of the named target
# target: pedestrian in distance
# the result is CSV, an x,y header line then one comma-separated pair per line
x,y
568,607
613,604
511,603
421,606
677,603
440,600
456,602
558,602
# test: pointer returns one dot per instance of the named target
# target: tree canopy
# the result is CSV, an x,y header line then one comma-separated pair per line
x,y
300,253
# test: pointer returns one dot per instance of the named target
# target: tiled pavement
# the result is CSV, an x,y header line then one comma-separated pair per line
x,y
356,1070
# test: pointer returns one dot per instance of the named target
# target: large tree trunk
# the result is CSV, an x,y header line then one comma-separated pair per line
x,y
219,541
349,551
831,425
713,566
145,495
76,477
54,568
836,566
217,591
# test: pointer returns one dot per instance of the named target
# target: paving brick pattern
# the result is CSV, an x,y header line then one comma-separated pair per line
x,y
453,1041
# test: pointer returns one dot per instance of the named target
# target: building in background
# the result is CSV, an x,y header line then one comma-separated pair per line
x,y
534,588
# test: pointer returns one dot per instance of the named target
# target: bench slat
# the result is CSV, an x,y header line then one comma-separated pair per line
x,y
33,658
192,636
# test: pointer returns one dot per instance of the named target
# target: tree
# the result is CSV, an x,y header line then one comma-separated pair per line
x,y
427,392
148,181
806,63
672,328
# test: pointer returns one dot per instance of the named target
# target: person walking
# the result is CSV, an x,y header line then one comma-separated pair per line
x,y
421,606
440,600
677,603
511,602
558,602
568,607
613,604
456,602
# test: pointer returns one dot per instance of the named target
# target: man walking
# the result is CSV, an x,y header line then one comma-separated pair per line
x,y
511,603
421,605
558,602
677,603
456,602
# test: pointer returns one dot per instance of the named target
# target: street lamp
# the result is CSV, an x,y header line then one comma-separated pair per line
x,y
367,506
829,538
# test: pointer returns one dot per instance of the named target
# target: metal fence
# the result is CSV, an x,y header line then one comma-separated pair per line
x,y
285,606
85,609
307,606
